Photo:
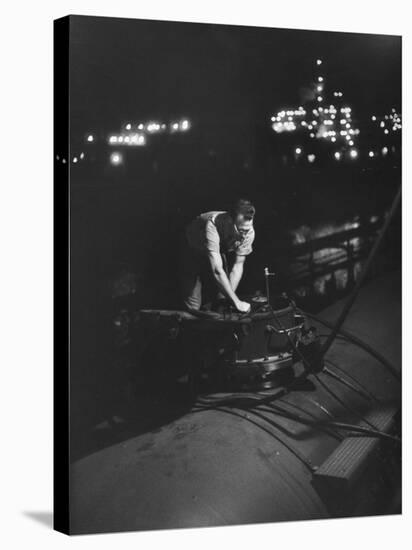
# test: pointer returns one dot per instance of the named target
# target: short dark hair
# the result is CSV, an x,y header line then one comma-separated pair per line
x,y
243,207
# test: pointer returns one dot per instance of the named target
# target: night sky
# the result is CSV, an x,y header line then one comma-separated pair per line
x,y
222,76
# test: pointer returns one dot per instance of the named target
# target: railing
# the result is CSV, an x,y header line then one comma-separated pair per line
x,y
343,250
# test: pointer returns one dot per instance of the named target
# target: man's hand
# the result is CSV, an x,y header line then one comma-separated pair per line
x,y
243,307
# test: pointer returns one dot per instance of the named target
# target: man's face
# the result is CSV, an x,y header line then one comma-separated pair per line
x,y
243,226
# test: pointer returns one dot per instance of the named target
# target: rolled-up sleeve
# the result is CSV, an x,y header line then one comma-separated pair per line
x,y
245,248
211,238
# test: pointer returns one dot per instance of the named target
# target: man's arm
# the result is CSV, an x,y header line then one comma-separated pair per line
x,y
236,272
223,282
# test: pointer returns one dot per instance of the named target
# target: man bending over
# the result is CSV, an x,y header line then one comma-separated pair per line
x,y
209,239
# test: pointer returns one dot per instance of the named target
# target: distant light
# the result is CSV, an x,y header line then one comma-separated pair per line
x,y
337,155
82,156
141,126
385,151
153,127
373,117
311,158
64,161
90,138
386,131
75,160
185,125
333,139
175,126
273,118
141,140
320,98
353,153
351,143
371,154
298,150
57,157
319,62
312,135
113,139
319,88
128,126
116,159
382,124
320,78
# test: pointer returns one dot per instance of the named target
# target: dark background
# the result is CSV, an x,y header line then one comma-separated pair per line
x,y
126,221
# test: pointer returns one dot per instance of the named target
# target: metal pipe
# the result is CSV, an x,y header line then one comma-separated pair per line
x,y
267,275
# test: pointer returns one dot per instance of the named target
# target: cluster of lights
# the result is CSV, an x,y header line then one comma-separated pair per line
x,y
323,123
388,123
332,123
75,159
287,120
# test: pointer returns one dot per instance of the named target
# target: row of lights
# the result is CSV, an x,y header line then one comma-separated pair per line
x,y
353,153
132,139
139,138
135,134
